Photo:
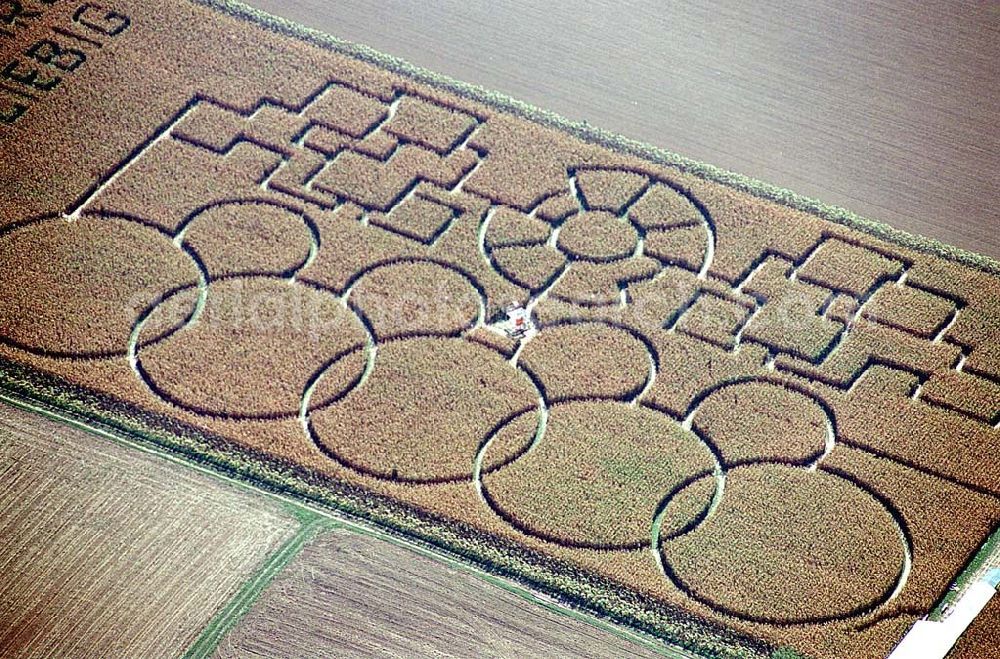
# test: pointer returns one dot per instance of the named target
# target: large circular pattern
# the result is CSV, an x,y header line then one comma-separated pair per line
x,y
614,227
630,455
416,298
251,237
423,411
764,420
75,289
787,545
252,350
386,385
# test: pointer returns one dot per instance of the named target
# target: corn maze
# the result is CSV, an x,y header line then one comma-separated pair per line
x,y
737,413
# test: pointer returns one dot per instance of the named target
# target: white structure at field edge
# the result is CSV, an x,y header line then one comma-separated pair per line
x,y
929,639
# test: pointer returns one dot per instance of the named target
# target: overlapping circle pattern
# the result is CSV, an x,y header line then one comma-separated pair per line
x,y
564,461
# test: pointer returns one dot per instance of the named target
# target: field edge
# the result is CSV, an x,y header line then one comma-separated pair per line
x,y
535,572
572,590
611,140
988,551
233,610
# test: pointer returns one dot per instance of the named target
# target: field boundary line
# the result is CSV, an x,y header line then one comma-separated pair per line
x,y
580,130
240,604
615,141
308,510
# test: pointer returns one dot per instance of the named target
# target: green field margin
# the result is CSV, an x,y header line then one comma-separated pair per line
x,y
237,607
314,521
989,552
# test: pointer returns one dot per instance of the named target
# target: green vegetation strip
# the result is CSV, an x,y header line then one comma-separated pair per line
x,y
315,520
240,604
989,550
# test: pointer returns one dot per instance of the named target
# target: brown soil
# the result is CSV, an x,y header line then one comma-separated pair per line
x,y
910,385
364,596
106,551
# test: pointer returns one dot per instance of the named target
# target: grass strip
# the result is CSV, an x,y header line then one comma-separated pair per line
x,y
240,604
316,519
989,550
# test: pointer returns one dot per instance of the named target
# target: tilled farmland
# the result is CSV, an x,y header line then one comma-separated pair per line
x,y
109,552
422,608
739,420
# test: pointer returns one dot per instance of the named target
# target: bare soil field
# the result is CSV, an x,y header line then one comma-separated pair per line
x,y
283,257
109,552
330,594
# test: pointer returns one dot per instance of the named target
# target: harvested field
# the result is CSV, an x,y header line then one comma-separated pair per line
x,y
109,552
291,264
364,596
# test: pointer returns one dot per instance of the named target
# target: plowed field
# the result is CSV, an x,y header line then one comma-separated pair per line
x,y
109,552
